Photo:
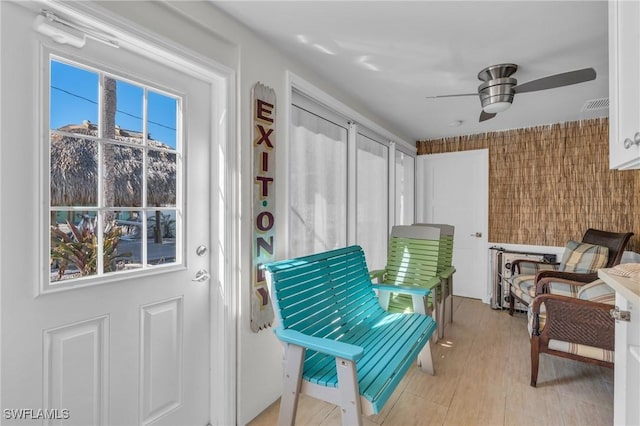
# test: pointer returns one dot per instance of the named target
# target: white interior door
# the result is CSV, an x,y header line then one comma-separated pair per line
x,y
130,347
452,188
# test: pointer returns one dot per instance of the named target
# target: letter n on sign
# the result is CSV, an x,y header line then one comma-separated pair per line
x,y
264,200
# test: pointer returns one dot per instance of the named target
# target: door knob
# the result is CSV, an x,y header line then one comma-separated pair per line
x,y
201,275
477,235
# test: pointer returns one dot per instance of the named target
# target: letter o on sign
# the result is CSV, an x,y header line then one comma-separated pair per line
x,y
260,221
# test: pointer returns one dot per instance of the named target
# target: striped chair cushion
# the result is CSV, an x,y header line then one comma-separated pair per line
x,y
523,287
532,268
563,289
598,291
582,350
583,258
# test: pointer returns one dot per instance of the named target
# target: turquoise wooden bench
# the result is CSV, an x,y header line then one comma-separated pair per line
x,y
340,345
413,260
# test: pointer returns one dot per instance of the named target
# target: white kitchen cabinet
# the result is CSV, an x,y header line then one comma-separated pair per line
x,y
626,388
624,84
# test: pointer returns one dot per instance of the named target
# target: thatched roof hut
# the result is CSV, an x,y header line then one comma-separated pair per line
x,y
74,169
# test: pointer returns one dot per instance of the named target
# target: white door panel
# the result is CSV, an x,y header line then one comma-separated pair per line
x,y
452,189
132,351
626,410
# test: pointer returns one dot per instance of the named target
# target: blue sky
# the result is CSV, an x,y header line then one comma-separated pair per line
x,y
74,98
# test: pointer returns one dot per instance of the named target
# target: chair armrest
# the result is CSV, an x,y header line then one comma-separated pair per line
x,y
447,272
319,344
420,291
515,265
379,274
571,276
574,320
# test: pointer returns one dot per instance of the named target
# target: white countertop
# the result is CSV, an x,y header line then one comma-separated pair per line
x,y
629,289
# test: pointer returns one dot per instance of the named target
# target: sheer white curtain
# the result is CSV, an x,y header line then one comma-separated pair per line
x,y
405,188
372,200
318,167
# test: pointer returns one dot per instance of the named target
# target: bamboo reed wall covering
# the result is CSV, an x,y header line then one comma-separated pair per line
x,y
548,184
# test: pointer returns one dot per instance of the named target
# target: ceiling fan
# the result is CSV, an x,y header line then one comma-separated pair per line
x,y
498,87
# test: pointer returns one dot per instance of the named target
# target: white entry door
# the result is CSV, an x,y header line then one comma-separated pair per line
x,y
127,341
452,188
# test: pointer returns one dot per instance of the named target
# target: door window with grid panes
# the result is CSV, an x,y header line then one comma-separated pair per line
x,y
114,174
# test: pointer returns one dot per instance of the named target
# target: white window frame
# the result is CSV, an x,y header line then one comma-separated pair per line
x,y
51,54
390,170
396,148
296,83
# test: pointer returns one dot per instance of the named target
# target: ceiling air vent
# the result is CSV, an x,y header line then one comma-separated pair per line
x,y
595,108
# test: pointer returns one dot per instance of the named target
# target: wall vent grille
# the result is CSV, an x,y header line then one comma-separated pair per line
x,y
596,104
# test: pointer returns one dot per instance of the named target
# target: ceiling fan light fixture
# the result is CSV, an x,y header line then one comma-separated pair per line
x,y
497,107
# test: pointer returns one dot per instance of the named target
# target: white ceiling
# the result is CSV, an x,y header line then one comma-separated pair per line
x,y
391,55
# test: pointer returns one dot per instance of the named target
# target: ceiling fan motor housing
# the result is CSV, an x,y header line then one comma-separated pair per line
x,y
497,86
497,90
497,71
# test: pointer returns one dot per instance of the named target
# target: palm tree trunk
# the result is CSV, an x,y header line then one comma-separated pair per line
x,y
157,231
109,132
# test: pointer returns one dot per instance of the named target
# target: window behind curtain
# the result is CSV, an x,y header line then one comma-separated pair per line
x,y
372,199
318,208
405,188
340,177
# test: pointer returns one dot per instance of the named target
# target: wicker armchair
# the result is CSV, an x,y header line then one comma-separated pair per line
x,y
578,328
527,273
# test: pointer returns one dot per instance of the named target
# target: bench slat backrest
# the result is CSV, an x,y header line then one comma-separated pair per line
x,y
446,243
324,294
413,255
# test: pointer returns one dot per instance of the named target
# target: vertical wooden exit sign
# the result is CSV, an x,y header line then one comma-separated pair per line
x,y
264,201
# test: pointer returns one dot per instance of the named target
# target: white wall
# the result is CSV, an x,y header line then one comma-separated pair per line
x,y
202,27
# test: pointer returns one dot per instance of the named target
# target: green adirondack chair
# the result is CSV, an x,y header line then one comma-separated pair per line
x,y
445,271
412,260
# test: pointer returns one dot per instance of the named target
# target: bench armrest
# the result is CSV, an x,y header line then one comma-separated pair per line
x,y
420,291
379,274
325,346
447,272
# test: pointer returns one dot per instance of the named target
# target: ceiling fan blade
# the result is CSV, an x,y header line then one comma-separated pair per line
x,y
484,116
452,96
557,80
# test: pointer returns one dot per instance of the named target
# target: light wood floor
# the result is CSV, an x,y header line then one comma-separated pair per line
x,y
482,378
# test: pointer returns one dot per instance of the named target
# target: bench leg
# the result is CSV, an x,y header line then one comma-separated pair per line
x,y
450,299
419,304
349,392
444,285
294,360
425,360
435,308
383,299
